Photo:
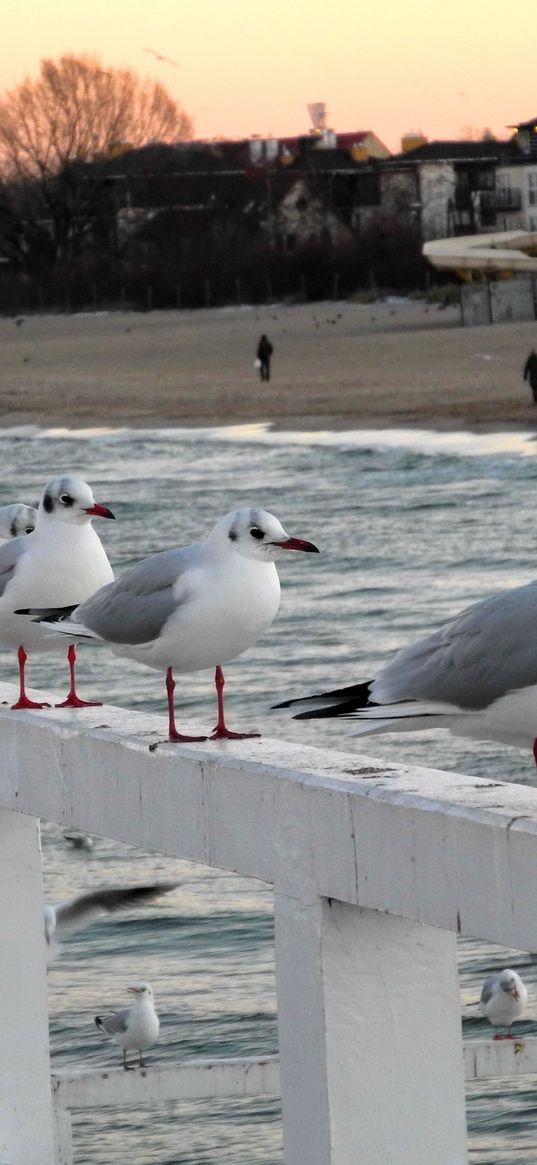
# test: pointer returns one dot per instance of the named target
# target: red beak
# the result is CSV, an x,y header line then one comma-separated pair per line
x,y
515,994
297,544
135,990
98,511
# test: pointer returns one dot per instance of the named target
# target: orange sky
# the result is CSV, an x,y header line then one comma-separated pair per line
x,y
251,66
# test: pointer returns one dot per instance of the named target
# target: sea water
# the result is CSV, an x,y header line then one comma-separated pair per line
x,y
412,526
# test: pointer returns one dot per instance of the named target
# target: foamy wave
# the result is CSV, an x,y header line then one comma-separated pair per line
x,y
462,443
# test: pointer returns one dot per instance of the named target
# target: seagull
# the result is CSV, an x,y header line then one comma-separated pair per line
x,y
79,912
79,840
62,560
135,1027
193,608
161,57
476,676
503,999
16,520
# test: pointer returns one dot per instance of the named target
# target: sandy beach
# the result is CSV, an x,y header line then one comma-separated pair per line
x,y
335,365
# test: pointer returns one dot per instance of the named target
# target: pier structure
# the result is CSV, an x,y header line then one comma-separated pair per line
x,y
376,868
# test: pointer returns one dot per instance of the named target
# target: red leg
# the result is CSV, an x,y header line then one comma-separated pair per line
x,y
173,734
221,732
535,751
72,700
23,700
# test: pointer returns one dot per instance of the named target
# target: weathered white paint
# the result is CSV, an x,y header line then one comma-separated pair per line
x,y
63,1136
301,1028
193,1080
421,853
25,1104
486,1059
391,994
462,852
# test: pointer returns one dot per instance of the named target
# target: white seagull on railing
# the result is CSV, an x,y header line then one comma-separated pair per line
x,y
133,1028
62,561
503,999
193,608
476,676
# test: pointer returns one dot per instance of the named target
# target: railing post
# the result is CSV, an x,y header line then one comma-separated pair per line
x,y
63,1136
301,1028
371,1058
26,1136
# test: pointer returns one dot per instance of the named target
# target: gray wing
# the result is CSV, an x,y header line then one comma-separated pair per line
x,y
10,553
80,911
135,607
484,653
488,989
115,1022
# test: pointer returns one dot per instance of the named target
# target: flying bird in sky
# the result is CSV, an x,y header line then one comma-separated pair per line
x,y
162,57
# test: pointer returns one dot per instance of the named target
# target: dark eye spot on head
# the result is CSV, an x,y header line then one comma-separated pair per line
x,y
257,533
29,529
48,504
67,500
13,529
233,535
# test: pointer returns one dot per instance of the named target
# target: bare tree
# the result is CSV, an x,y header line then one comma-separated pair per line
x,y
77,110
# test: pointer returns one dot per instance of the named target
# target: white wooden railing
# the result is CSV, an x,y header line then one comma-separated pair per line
x,y
376,868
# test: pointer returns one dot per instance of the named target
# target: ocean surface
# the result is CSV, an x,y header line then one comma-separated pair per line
x,y
412,526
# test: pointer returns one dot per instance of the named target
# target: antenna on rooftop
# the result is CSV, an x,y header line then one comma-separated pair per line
x,y
317,112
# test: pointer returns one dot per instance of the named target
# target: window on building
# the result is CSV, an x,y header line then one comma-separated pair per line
x,y
532,188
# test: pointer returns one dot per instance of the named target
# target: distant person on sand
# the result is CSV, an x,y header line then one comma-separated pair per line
x,y
264,352
530,372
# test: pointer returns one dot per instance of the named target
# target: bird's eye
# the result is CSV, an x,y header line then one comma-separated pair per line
x,y
66,499
257,533
29,529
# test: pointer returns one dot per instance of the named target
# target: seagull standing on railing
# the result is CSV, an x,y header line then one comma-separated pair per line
x,y
503,999
476,676
79,912
190,609
62,561
15,520
134,1028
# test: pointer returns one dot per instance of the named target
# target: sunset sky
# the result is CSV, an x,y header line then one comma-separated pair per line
x,y
251,66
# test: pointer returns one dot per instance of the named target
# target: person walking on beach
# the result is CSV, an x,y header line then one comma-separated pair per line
x,y
264,352
530,372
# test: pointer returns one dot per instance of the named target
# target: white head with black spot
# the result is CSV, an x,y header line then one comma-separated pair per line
x,y
255,533
16,520
69,499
